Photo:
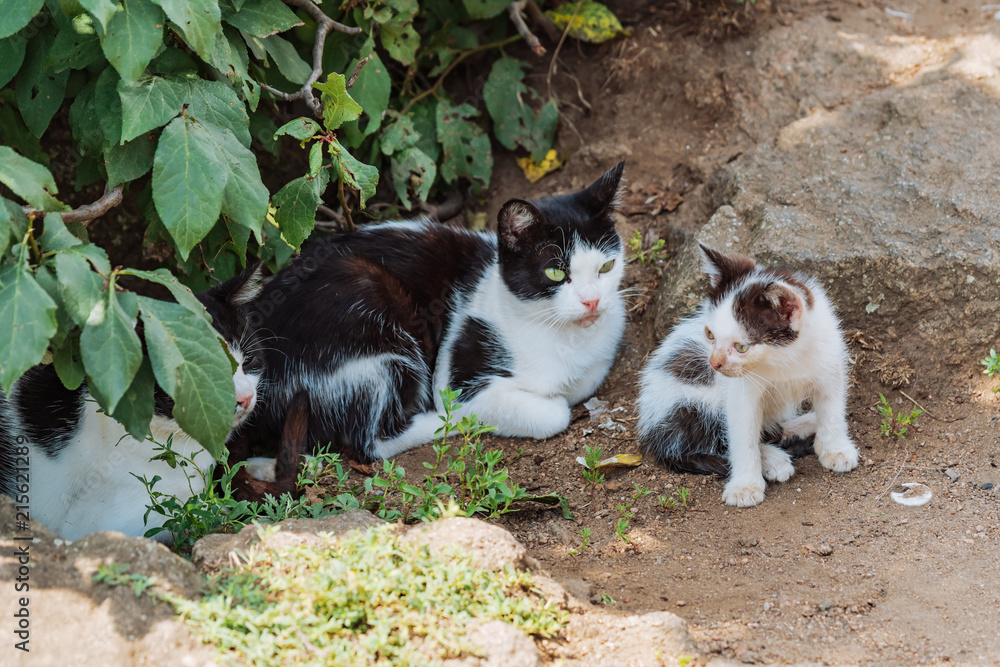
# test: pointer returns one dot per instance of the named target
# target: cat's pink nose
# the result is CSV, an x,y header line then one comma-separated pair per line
x,y
245,400
591,305
716,360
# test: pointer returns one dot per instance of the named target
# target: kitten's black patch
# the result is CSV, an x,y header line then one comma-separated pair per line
x,y
690,364
694,441
534,236
50,413
764,310
478,355
726,272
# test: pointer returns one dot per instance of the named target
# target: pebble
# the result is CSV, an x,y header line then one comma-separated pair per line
x,y
952,475
681,603
824,549
746,541
987,486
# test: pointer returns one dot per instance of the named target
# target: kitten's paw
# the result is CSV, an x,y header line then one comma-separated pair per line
x,y
840,457
262,468
742,493
776,463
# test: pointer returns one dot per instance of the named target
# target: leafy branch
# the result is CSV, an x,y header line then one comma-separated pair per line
x,y
87,213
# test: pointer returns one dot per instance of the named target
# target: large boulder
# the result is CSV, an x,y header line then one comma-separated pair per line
x,y
888,198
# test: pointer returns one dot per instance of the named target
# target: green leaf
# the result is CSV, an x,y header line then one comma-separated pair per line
x,y
102,10
466,148
593,21
6,227
372,90
27,322
400,41
55,235
181,293
11,56
485,9
289,62
315,159
40,92
412,171
76,46
15,14
81,288
29,180
358,175
215,103
244,199
189,177
150,103
230,59
264,17
399,134
300,128
135,409
108,105
128,162
338,106
110,348
190,363
68,365
514,122
198,20
296,205
133,37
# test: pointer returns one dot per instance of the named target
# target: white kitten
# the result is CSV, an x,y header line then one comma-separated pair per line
x,y
729,382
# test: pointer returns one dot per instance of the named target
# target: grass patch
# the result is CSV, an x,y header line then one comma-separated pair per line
x,y
369,598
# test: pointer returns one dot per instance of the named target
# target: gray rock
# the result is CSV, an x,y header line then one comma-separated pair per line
x,y
492,546
75,621
214,552
888,199
952,475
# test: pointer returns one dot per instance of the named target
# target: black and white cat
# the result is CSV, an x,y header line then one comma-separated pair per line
x,y
81,461
730,382
374,323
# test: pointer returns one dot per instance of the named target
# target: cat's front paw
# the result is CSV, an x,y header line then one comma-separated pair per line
x,y
839,457
742,493
776,463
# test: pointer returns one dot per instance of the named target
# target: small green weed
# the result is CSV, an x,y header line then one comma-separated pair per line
x,y
898,423
117,574
624,522
670,502
655,253
607,599
593,476
992,364
584,542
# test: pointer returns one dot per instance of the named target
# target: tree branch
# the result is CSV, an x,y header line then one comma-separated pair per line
x,y
515,9
324,24
89,212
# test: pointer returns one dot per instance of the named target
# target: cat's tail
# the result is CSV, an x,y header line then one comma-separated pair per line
x,y
797,446
699,464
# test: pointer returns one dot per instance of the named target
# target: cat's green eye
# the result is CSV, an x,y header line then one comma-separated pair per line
x,y
741,347
555,275
708,334
607,266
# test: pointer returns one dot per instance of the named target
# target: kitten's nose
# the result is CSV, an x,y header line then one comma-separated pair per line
x,y
591,305
716,360
245,400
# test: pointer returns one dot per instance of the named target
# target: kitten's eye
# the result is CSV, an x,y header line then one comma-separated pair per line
x,y
555,275
741,347
607,266
708,334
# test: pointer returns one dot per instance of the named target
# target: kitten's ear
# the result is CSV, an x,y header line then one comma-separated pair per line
x,y
723,269
784,301
604,194
516,222
245,287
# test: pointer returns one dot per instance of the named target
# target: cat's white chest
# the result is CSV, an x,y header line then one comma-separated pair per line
x,y
87,487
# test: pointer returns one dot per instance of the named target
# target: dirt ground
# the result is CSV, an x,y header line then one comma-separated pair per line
x,y
828,569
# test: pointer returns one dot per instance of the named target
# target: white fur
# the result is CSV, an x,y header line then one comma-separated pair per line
x,y
765,385
91,485
560,351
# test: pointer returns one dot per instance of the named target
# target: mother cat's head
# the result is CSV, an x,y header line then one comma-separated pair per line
x,y
564,251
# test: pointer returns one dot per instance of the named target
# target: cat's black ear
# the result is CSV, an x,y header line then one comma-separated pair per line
x,y
243,288
518,223
723,269
604,194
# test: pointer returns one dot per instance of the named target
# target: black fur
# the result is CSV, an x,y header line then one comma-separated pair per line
x,y
690,363
478,355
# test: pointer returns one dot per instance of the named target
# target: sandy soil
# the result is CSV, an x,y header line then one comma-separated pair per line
x,y
828,569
